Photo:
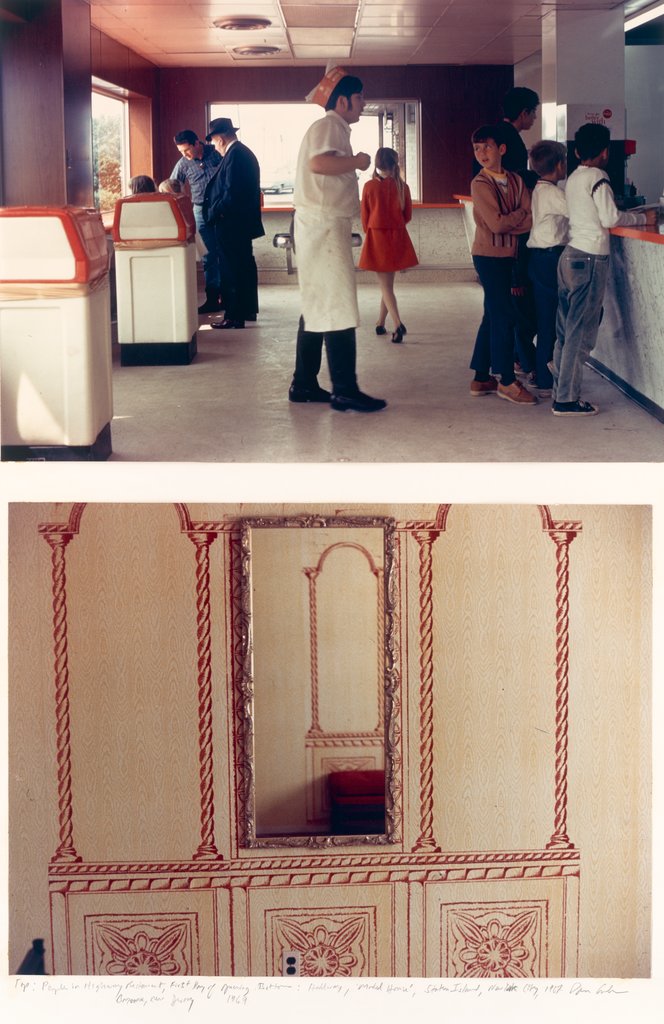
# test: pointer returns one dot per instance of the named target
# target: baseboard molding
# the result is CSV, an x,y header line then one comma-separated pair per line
x,y
646,403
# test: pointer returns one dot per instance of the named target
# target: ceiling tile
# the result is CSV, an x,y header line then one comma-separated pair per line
x,y
321,51
321,36
460,30
301,16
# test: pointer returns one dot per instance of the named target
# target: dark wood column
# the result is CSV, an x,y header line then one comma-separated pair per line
x,y
46,141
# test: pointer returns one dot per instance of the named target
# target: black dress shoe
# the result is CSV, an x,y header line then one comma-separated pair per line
x,y
380,329
357,402
315,394
397,337
227,325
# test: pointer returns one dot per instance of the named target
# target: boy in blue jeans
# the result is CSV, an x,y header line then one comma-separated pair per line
x,y
547,240
501,210
584,265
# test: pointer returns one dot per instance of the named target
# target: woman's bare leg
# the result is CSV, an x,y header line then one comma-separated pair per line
x,y
386,282
382,314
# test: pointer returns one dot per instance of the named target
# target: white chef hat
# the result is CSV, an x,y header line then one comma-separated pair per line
x,y
321,93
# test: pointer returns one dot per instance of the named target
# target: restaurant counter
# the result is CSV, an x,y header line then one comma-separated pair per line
x,y
630,345
437,232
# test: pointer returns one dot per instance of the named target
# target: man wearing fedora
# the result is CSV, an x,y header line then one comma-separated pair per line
x,y
199,163
232,206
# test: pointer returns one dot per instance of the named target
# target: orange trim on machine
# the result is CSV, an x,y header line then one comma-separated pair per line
x,y
85,234
183,214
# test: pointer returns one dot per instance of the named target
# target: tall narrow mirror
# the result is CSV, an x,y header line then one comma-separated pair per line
x,y
319,682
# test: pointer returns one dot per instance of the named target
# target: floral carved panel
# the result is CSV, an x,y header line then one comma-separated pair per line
x,y
337,943
162,944
498,940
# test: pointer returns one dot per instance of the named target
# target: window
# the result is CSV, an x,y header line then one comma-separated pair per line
x,y
274,130
109,149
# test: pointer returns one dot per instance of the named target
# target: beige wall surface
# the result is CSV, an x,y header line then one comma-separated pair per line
x,y
130,623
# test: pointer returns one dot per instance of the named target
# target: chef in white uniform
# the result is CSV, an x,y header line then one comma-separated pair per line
x,y
326,200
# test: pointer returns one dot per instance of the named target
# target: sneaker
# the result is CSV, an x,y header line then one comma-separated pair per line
x,y
483,387
515,392
314,394
357,402
574,409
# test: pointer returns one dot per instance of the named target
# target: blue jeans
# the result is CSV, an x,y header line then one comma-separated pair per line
x,y
211,259
581,285
543,272
494,345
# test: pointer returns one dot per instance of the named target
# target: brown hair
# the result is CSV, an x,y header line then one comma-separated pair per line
x,y
141,183
545,156
387,160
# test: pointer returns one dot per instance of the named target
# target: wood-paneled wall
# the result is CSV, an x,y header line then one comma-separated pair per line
x,y
454,101
114,63
32,98
54,52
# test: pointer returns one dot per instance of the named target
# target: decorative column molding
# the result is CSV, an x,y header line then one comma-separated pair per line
x,y
202,540
312,575
562,534
57,537
425,540
380,631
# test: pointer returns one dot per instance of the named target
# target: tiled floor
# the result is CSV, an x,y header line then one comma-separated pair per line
x,y
230,404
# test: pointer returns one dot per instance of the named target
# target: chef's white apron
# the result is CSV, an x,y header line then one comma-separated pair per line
x,y
326,272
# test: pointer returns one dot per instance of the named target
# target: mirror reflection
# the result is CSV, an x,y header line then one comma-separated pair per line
x,y
319,680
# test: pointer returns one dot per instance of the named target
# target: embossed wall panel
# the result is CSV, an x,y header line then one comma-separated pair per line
x,y
132,663
494,650
165,933
510,929
610,734
338,931
33,835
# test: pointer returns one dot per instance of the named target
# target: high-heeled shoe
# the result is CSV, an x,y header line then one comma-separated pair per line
x,y
397,337
380,329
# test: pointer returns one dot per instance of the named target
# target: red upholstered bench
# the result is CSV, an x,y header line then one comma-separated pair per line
x,y
357,802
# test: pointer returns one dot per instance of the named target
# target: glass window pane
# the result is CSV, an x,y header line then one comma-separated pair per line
x,y
108,149
274,131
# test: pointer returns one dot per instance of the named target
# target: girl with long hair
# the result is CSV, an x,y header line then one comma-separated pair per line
x,y
386,209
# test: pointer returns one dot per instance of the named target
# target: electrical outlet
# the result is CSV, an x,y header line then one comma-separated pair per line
x,y
290,963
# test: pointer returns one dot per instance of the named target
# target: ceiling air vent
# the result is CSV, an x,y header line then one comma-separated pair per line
x,y
256,51
238,23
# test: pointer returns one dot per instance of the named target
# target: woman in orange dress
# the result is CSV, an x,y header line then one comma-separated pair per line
x,y
386,209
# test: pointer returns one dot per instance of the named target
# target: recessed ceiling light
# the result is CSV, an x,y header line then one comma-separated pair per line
x,y
239,23
256,51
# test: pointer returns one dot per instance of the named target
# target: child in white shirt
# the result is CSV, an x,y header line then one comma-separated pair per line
x,y
583,266
547,240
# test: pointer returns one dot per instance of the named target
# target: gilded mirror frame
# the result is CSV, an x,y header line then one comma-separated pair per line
x,y
391,689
